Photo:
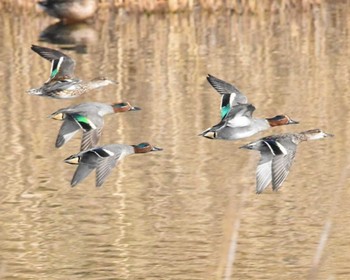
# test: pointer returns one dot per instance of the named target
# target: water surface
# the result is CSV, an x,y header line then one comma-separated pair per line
x,y
172,215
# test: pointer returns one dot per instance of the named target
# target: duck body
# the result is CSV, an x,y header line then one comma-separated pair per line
x,y
69,11
67,88
86,117
103,159
237,119
239,123
62,84
227,132
277,155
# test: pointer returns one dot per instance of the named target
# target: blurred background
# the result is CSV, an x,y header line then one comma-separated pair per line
x,y
190,211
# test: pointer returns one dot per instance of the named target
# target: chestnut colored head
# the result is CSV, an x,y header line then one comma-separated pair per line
x,y
145,148
124,107
281,120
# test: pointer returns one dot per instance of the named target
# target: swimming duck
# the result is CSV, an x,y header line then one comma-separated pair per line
x,y
239,123
61,84
69,11
277,155
103,159
87,117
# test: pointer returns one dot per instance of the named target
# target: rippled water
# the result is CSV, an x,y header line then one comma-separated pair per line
x,y
189,212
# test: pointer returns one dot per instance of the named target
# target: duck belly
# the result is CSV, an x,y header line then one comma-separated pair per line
x,y
229,133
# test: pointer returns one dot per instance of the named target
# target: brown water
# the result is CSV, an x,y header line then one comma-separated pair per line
x,y
189,212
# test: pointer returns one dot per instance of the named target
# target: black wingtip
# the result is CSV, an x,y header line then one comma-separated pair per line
x,y
73,183
210,78
34,47
59,142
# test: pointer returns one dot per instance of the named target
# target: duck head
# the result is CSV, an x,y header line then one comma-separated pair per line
x,y
145,148
124,107
280,120
314,134
100,82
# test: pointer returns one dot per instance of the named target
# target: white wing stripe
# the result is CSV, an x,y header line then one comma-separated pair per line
x,y
283,149
268,145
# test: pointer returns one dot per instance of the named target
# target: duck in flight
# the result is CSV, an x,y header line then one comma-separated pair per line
x,y
87,117
237,119
277,153
62,84
103,159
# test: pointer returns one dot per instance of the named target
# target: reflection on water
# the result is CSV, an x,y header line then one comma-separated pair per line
x,y
78,35
171,215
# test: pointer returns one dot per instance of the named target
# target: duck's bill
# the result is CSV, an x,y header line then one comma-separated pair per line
x,y
135,108
292,122
328,134
155,149
247,146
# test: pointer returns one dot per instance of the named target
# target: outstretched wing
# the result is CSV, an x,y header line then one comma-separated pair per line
x,y
230,95
90,138
106,164
87,164
67,131
264,172
62,66
105,167
282,163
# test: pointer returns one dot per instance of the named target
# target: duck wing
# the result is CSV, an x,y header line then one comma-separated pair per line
x,y
239,115
264,171
230,95
53,88
87,164
105,167
90,138
282,163
62,66
68,129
